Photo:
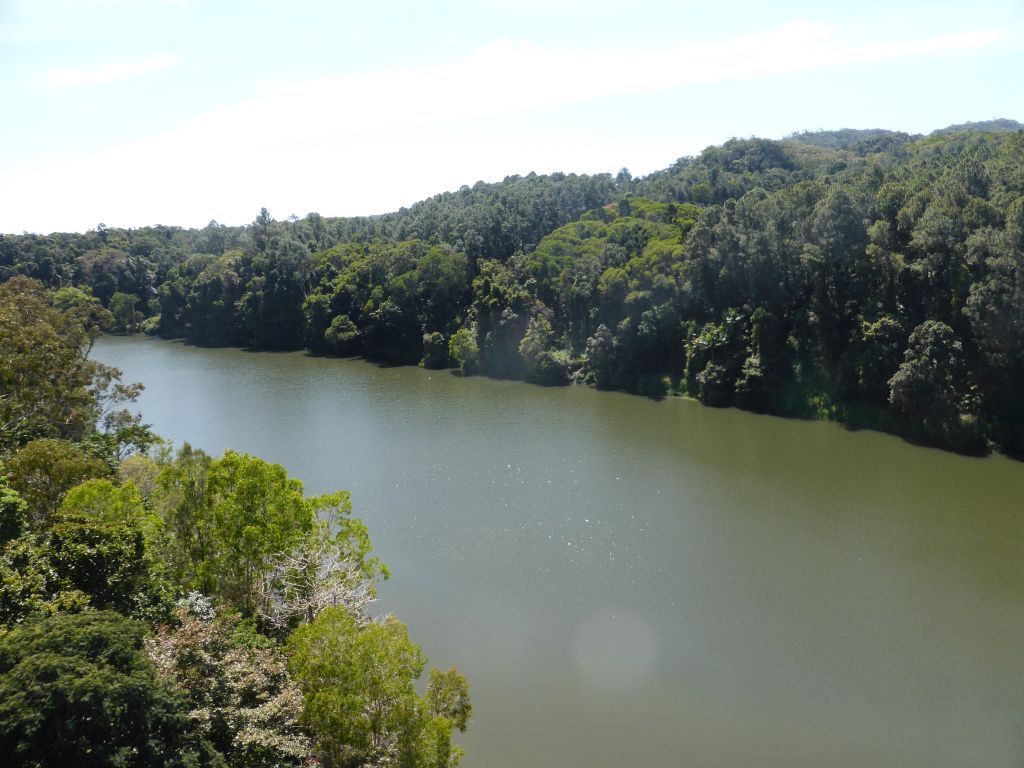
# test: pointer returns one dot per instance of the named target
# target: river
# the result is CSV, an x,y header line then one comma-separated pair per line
x,y
636,583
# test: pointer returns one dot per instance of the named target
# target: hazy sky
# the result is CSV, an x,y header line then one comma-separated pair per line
x,y
135,112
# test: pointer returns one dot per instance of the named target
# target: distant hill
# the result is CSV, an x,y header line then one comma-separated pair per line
x,y
999,125
862,141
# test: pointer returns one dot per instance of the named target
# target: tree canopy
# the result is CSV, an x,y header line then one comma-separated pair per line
x,y
781,276
153,603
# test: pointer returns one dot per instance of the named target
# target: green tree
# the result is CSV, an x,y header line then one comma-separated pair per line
x,y
231,524
44,470
601,358
78,689
13,511
46,376
501,303
101,499
927,387
107,561
360,702
81,561
123,307
448,695
878,356
341,334
435,350
463,350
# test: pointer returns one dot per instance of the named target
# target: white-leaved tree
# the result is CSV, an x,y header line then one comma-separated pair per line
x,y
236,681
316,574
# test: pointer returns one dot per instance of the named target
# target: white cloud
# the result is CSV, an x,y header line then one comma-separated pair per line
x,y
505,78
109,72
543,6
371,142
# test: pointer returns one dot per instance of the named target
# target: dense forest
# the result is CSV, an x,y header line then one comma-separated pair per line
x,y
169,608
872,277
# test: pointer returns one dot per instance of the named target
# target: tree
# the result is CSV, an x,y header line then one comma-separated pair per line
x,y
102,500
995,308
27,584
247,512
539,337
501,303
327,569
179,497
341,334
463,350
13,511
878,356
271,306
927,386
435,350
106,561
237,527
601,356
123,307
360,701
240,697
46,375
448,694
77,689
44,470
92,554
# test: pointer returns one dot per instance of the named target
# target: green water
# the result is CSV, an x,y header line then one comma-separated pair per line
x,y
638,583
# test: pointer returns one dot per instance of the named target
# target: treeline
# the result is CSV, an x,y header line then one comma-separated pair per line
x,y
871,277
163,608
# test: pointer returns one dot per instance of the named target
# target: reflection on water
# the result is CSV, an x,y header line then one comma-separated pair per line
x,y
636,583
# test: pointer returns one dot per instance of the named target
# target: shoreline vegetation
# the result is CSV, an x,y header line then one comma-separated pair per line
x,y
869,277
169,608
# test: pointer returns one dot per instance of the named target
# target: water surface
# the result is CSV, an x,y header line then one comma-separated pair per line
x,y
628,582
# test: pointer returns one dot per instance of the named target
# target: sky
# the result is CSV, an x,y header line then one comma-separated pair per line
x,y
178,112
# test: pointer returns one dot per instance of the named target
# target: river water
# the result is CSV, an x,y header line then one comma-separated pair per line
x,y
637,583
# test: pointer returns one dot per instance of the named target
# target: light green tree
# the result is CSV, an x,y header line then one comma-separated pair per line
x,y
123,307
44,470
357,682
463,350
238,528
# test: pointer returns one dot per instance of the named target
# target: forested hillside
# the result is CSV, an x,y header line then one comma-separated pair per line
x,y
871,277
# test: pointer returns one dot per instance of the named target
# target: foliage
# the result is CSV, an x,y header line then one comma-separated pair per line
x,y
239,695
106,560
80,562
928,387
448,695
827,249
13,511
360,702
123,308
44,470
435,350
463,350
77,689
240,529
328,568
45,375
97,529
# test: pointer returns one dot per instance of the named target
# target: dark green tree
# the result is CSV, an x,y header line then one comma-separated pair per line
x,y
928,387
78,689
